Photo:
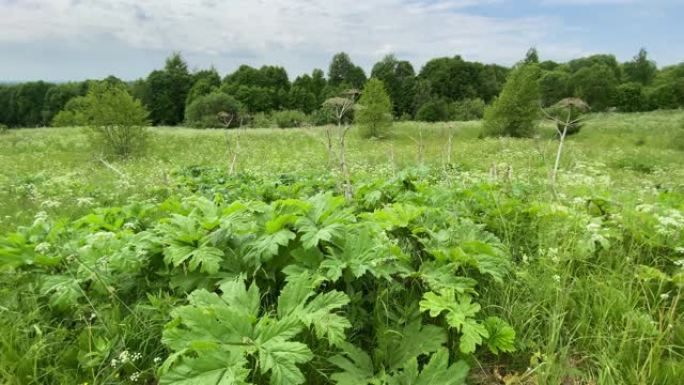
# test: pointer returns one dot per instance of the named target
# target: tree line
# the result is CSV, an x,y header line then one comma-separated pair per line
x,y
447,88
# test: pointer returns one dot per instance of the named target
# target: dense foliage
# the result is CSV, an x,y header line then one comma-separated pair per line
x,y
373,112
442,82
115,120
203,111
468,269
516,111
288,284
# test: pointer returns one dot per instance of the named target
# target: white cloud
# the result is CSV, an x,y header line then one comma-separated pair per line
x,y
278,31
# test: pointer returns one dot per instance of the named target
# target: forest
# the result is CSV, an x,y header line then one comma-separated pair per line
x,y
447,88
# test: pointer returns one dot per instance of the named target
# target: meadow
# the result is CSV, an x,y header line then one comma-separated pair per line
x,y
455,262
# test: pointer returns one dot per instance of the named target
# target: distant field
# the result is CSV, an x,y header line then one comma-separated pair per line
x,y
50,169
137,271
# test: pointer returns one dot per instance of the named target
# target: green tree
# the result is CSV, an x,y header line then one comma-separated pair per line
x,y
7,105
640,69
597,85
167,90
532,56
399,79
434,110
608,61
58,96
289,118
374,110
29,102
630,97
555,85
343,72
203,111
516,111
204,82
467,109
115,120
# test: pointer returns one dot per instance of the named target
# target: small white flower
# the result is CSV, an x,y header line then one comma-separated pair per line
x,y
85,201
679,250
134,377
157,360
50,203
42,247
556,278
124,356
665,296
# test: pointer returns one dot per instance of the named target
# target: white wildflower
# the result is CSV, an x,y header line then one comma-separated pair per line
x,y
124,356
665,296
42,247
134,377
85,201
50,203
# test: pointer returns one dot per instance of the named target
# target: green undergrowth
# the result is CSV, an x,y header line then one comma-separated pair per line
x,y
427,276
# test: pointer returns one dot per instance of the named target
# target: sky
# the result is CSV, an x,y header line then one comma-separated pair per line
x,y
60,40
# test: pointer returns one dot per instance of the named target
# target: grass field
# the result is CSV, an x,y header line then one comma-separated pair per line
x,y
590,274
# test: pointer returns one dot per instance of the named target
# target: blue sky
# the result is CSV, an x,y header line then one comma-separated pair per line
x,y
77,39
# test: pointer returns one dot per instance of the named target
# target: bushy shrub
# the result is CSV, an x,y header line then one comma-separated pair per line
x,y
435,110
630,97
203,111
517,110
260,120
374,110
665,96
555,85
72,114
115,120
597,85
321,117
289,118
468,109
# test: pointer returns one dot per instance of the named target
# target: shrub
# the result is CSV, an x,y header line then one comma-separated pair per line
x,y
630,98
555,85
374,110
115,120
517,110
72,114
3,129
597,85
289,118
203,111
468,109
664,96
435,110
321,117
260,120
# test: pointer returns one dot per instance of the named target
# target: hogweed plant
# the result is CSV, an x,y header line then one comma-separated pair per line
x,y
567,116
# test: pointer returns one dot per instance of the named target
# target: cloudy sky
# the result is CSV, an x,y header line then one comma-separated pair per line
x,y
77,39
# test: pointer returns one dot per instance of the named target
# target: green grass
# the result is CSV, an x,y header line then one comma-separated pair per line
x,y
584,305
50,169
